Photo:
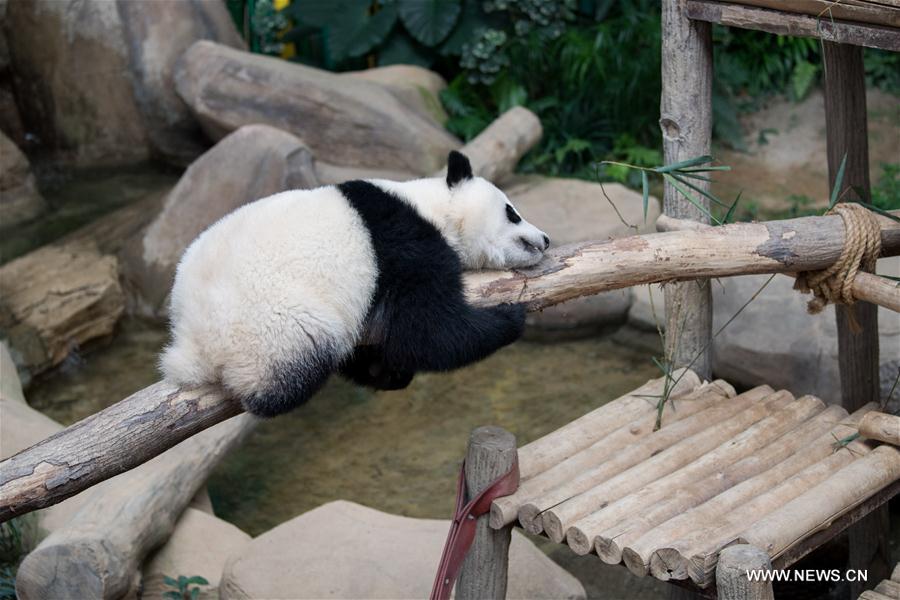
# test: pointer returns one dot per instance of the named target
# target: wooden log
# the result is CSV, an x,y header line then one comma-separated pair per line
x,y
709,523
827,9
730,451
573,519
780,23
531,512
732,574
844,87
821,504
880,426
99,551
504,510
611,542
553,448
491,454
873,595
889,588
895,576
686,124
105,444
803,244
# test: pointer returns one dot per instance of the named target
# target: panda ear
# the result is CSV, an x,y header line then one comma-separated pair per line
x,y
458,168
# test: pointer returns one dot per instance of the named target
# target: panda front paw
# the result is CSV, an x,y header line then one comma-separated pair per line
x,y
513,315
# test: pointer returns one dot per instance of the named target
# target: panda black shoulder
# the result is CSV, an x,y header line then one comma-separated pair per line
x,y
412,256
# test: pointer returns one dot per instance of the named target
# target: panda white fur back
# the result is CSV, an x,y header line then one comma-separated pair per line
x,y
361,278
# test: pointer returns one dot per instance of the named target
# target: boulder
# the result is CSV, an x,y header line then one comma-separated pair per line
x,y
57,298
20,200
416,87
156,34
572,210
251,163
345,550
69,60
200,545
344,120
775,341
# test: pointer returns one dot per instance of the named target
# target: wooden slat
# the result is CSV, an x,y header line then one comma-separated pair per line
x,y
777,22
828,9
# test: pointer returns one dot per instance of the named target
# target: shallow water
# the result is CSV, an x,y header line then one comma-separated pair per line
x,y
394,451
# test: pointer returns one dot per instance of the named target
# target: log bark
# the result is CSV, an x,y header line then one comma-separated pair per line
x,y
644,517
491,454
882,427
99,551
708,527
573,519
110,442
732,580
504,510
740,446
686,122
873,595
889,588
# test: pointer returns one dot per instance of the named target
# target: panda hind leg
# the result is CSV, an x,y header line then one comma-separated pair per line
x,y
290,385
367,366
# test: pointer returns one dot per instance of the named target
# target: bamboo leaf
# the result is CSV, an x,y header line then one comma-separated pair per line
x,y
838,182
880,211
704,169
674,182
691,162
693,175
700,191
645,186
730,212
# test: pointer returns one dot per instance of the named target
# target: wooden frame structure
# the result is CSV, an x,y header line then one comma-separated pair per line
x,y
686,124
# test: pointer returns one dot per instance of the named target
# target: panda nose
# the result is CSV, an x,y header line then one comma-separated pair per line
x,y
546,241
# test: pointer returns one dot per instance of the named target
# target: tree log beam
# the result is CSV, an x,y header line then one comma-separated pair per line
x,y
156,418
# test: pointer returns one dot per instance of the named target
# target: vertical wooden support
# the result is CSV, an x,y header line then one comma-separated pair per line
x,y
732,581
686,122
845,119
491,453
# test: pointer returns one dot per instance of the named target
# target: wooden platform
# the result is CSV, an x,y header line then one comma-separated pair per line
x,y
889,589
761,467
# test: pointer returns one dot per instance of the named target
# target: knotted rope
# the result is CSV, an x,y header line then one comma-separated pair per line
x,y
862,247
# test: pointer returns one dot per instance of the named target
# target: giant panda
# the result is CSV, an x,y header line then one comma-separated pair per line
x,y
362,278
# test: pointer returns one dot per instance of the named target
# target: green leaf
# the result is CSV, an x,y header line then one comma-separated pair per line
x,y
880,211
469,26
730,212
803,78
350,29
399,49
691,162
169,581
198,580
687,195
645,187
705,169
838,182
429,21
173,595
712,198
195,593
507,93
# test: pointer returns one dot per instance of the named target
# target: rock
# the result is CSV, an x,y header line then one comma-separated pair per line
x,y
156,35
572,210
10,386
10,121
200,545
20,200
775,341
70,61
344,120
253,162
56,299
416,87
346,550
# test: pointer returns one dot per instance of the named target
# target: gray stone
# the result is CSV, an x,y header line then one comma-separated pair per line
x,y
20,200
156,34
345,550
775,341
344,120
572,210
253,162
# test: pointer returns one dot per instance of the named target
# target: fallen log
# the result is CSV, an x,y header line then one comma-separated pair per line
x,y
99,551
158,417
880,426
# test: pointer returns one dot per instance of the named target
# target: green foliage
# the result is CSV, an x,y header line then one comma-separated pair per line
x,y
886,191
185,588
18,537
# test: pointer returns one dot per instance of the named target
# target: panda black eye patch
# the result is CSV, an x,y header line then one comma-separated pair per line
x,y
512,215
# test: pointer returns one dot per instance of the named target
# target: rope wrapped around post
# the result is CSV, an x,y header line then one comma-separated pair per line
x,y
862,247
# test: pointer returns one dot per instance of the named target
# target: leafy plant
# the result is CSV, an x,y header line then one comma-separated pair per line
x,y
18,536
886,191
186,588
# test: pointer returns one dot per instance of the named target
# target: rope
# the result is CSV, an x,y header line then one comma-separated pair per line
x,y
862,247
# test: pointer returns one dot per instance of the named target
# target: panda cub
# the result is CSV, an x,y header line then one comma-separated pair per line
x,y
362,278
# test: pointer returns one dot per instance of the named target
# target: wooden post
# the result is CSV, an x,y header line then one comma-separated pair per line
x,y
732,581
686,122
491,453
847,135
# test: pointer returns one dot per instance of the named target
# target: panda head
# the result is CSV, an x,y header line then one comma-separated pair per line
x,y
489,230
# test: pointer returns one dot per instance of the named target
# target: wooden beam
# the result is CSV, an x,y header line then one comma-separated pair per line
x,y
156,418
732,574
686,123
779,23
